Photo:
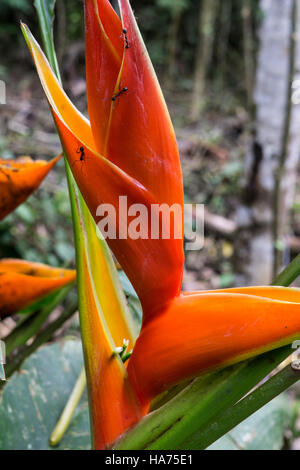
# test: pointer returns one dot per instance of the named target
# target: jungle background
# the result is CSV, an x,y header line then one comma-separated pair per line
x,y
230,73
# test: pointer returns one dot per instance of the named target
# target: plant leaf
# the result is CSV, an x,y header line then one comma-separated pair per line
x,y
32,400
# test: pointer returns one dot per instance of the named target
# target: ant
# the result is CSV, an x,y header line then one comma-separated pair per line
x,y
82,155
119,93
127,44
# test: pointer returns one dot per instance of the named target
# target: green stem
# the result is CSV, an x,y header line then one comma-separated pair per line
x,y
69,410
289,274
45,12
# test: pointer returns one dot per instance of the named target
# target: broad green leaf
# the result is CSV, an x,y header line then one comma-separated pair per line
x,y
33,399
264,430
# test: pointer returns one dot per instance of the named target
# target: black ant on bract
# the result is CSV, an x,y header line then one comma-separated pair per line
x,y
124,90
82,157
127,44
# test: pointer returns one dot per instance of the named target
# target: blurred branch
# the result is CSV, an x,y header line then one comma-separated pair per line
x,y
206,32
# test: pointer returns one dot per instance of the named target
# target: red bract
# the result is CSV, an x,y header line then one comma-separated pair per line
x,y
130,140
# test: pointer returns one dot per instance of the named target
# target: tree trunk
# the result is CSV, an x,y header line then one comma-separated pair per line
x,y
204,54
173,36
272,159
248,42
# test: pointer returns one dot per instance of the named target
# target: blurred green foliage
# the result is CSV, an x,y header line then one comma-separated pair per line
x,y
155,19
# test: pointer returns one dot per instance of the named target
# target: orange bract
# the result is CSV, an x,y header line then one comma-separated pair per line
x,y
205,331
18,179
24,282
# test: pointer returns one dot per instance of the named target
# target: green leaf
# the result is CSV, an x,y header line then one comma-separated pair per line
x,y
45,12
33,399
270,389
264,430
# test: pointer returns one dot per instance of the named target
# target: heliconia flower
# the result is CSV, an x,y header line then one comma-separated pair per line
x,y
128,149
18,179
24,282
